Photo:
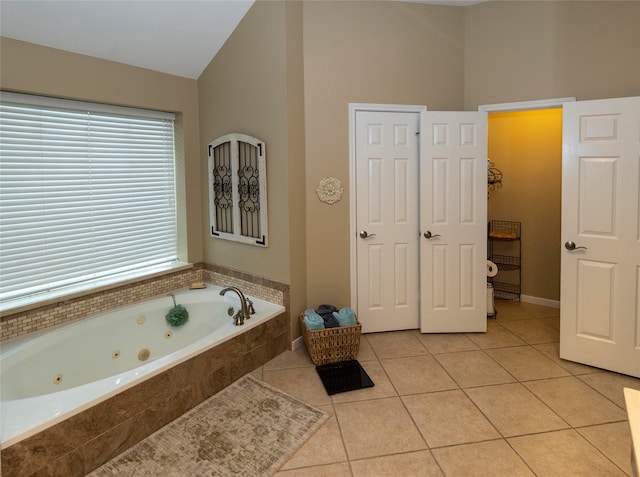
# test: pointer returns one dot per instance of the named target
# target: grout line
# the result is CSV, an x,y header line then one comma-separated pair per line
x,y
486,351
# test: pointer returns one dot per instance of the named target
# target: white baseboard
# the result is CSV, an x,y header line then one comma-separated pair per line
x,y
540,301
297,343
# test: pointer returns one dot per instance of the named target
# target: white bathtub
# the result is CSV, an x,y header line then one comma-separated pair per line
x,y
48,377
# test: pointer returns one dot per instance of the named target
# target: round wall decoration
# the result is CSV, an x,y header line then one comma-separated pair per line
x,y
329,190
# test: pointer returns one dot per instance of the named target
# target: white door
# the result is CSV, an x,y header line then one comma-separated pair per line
x,y
386,152
600,263
453,221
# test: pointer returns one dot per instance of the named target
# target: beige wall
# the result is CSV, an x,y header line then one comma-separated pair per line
x,y
448,58
244,90
365,52
254,85
29,68
296,145
527,147
517,51
289,71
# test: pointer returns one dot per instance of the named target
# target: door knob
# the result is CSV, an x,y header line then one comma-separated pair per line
x,y
429,235
572,246
364,234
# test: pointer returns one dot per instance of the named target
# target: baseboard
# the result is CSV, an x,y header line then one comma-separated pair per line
x,y
540,301
297,343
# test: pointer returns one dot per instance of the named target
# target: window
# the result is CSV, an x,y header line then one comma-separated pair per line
x,y
237,189
87,196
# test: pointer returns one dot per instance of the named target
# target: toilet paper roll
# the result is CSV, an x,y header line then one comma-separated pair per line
x,y
492,269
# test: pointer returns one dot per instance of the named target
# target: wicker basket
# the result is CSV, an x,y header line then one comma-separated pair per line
x,y
331,345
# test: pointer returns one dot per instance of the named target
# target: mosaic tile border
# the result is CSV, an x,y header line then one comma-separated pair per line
x,y
65,311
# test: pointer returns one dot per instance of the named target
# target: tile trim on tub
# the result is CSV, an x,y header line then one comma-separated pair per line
x,y
66,311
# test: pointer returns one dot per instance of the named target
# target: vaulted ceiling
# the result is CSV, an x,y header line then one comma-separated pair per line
x,y
178,37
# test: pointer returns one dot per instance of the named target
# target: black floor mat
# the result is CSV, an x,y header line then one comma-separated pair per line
x,y
343,376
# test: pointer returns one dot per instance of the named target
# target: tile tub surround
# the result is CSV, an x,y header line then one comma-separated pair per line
x,y
85,441
67,310
89,439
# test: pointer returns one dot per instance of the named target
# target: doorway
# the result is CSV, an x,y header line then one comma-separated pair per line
x,y
536,122
527,148
599,170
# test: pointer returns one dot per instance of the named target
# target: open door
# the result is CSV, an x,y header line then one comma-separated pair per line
x,y
453,221
600,262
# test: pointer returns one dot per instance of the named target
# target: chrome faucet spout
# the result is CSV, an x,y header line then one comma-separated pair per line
x,y
243,313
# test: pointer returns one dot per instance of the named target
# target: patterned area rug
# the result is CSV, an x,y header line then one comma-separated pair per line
x,y
248,429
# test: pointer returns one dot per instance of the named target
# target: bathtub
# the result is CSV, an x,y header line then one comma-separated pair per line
x,y
48,377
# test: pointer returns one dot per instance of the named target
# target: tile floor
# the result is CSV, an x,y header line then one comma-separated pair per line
x,y
496,404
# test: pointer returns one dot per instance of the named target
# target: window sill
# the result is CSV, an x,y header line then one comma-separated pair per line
x,y
20,305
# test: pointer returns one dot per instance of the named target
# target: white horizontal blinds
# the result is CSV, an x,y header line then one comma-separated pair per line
x,y
84,193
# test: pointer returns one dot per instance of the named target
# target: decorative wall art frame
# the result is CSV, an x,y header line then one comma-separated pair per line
x,y
238,189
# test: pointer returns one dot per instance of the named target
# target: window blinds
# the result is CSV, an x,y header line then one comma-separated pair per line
x,y
87,192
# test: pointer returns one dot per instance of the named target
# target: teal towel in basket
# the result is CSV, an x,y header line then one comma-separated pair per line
x,y
345,317
312,320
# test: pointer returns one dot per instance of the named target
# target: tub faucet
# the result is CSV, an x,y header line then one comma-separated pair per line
x,y
243,312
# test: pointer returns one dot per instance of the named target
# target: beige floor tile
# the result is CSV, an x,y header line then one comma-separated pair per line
x,y
532,331
525,363
514,411
448,418
324,447
611,384
552,322
552,351
382,387
376,428
539,311
303,383
331,470
387,435
613,440
509,311
496,337
417,374
563,454
473,368
575,402
410,464
490,459
396,344
257,373
290,359
446,342
365,352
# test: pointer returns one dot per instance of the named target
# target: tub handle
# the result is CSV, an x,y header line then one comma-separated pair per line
x,y
238,318
250,308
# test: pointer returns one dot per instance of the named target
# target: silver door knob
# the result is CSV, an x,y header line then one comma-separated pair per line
x,y
429,235
572,246
364,234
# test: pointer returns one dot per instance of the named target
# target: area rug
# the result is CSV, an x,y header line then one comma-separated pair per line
x,y
248,429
